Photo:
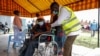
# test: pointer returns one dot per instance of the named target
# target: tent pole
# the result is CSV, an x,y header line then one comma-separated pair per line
x,y
98,25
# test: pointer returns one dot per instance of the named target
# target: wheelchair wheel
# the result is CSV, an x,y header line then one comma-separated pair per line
x,y
51,50
55,49
39,52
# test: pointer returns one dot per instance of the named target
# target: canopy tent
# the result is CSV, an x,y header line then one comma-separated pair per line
x,y
28,8
34,6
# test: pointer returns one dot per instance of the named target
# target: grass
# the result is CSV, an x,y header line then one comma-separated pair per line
x,y
86,40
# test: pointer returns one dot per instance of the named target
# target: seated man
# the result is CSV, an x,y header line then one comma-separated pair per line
x,y
39,28
2,27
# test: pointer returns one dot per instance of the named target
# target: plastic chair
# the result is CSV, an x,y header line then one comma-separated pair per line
x,y
22,37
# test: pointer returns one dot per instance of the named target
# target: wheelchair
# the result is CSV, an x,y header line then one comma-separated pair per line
x,y
48,47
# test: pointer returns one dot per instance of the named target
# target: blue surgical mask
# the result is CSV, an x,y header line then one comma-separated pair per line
x,y
41,23
55,12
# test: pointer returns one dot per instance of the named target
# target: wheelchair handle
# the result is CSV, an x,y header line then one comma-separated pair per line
x,y
46,35
53,30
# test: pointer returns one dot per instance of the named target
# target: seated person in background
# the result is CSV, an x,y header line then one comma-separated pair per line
x,y
38,29
5,27
1,26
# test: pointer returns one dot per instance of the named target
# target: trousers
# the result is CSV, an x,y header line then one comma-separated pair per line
x,y
68,45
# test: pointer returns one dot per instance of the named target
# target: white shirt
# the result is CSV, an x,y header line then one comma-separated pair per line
x,y
64,15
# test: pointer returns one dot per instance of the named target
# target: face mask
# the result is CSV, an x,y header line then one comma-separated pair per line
x,y
55,12
41,23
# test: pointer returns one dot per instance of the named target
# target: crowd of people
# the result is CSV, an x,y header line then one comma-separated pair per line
x,y
91,26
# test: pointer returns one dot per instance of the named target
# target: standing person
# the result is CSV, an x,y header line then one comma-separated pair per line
x,y
17,25
29,27
60,36
93,28
69,23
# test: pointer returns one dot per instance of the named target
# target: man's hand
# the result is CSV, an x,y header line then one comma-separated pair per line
x,y
51,20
